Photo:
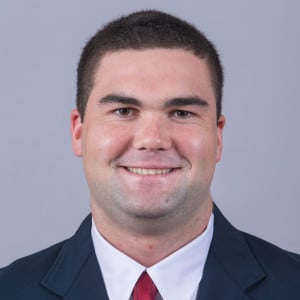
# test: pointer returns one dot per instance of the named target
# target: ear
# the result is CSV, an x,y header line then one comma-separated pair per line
x,y
76,130
221,124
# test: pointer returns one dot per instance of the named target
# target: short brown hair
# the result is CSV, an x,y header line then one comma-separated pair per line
x,y
143,30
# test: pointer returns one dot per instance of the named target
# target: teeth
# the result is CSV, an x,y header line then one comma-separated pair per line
x,y
141,171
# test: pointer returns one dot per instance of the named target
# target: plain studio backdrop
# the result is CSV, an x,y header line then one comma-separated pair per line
x,y
43,194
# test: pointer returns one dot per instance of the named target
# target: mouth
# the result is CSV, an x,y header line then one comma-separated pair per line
x,y
145,171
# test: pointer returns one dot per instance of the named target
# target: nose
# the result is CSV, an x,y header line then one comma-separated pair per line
x,y
152,134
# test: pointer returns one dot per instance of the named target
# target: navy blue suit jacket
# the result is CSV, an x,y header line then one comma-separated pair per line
x,y
239,267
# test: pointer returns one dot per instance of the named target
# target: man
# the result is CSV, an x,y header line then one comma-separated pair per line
x,y
148,126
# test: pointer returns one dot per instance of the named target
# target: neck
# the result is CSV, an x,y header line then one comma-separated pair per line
x,y
148,247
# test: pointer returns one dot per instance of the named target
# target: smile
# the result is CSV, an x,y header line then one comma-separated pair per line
x,y
141,171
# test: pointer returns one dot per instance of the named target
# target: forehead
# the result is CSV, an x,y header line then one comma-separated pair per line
x,y
155,72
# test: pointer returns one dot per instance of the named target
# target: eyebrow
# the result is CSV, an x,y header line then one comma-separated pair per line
x,y
112,98
183,101
179,101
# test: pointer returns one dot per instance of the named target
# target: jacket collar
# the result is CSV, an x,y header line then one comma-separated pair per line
x,y
75,273
231,267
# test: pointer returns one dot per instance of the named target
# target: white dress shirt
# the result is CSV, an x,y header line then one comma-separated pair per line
x,y
176,277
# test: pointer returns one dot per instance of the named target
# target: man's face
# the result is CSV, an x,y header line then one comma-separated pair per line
x,y
149,140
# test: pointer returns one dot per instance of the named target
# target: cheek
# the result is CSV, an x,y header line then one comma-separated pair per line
x,y
200,149
198,145
104,143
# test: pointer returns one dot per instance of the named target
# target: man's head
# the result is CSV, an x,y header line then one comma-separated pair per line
x,y
152,128
146,30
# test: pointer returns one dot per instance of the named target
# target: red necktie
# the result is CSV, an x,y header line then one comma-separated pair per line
x,y
144,289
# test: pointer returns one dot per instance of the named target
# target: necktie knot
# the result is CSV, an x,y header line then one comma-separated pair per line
x,y
145,288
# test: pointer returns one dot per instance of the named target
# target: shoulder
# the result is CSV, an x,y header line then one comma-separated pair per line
x,y
258,267
281,267
23,276
239,244
36,262
273,259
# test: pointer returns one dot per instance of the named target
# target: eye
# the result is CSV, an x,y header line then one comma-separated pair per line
x,y
182,114
124,111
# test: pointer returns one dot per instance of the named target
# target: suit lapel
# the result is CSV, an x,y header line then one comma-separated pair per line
x,y
75,273
89,284
218,285
231,267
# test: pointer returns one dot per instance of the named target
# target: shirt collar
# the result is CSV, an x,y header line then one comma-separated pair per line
x,y
176,277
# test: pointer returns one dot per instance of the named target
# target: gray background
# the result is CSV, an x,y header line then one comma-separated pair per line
x,y
43,194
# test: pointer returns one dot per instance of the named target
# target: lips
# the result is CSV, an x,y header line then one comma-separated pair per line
x,y
148,171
